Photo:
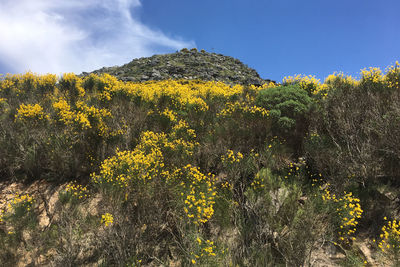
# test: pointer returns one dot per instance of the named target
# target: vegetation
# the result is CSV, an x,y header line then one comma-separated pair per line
x,y
191,172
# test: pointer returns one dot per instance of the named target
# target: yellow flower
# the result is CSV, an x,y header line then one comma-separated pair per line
x,y
107,219
26,112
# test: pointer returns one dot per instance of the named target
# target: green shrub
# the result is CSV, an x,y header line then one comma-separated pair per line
x,y
289,108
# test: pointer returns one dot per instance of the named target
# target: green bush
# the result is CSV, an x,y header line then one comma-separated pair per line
x,y
289,108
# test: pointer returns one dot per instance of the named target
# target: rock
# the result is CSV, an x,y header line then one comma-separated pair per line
x,y
156,75
278,197
365,252
129,79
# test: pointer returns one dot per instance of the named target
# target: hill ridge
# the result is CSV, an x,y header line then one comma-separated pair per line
x,y
186,64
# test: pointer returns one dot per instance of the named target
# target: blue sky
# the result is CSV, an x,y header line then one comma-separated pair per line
x,y
277,38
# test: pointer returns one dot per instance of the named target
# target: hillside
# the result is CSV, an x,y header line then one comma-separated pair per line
x,y
98,171
186,64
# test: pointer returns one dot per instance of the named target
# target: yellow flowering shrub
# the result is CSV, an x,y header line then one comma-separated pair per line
x,y
292,170
47,83
373,75
85,117
182,139
139,166
72,84
241,108
3,103
267,85
67,116
87,114
225,185
389,242
335,78
20,207
107,219
6,83
314,87
29,112
117,172
169,114
258,182
29,81
373,80
348,210
231,157
64,112
308,83
19,84
145,165
146,161
392,76
180,95
204,250
106,84
1,216
82,120
331,82
199,193
22,84
76,191
20,201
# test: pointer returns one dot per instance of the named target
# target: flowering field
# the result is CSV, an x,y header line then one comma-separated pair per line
x,y
190,172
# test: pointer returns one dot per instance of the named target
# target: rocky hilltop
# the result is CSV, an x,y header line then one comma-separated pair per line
x,y
186,64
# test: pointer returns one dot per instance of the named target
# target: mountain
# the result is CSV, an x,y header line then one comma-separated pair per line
x,y
186,64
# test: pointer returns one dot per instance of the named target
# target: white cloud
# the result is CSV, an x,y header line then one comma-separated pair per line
x,y
75,35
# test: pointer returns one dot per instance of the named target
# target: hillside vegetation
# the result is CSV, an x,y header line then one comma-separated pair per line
x,y
192,172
